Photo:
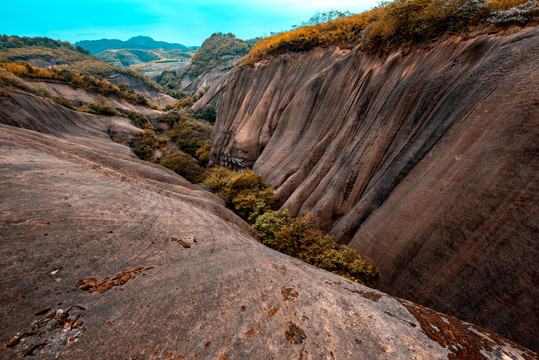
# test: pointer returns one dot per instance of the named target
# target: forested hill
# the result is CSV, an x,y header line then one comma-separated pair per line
x,y
217,55
137,42
17,42
217,49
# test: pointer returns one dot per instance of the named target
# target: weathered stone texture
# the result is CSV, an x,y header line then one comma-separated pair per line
x,y
105,256
427,163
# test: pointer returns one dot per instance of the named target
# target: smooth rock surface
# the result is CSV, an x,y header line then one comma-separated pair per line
x,y
426,163
192,85
141,88
107,256
80,96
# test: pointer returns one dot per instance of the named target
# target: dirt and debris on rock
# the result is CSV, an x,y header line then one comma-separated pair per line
x,y
48,336
101,286
294,334
289,294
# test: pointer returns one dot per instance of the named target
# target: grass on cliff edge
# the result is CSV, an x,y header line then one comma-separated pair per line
x,y
402,24
88,82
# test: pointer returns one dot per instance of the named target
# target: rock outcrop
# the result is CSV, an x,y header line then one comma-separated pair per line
x,y
107,256
425,162
192,85
79,96
138,85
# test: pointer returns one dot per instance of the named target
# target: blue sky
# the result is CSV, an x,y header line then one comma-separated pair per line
x,y
186,22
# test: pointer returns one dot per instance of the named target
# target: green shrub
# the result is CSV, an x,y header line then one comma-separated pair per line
x,y
270,224
244,192
100,109
170,80
183,165
251,203
139,120
217,178
203,153
143,152
175,115
300,239
187,102
208,114
346,262
64,102
144,145
190,134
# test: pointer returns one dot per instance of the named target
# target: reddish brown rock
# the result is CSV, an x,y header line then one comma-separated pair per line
x,y
140,87
427,163
110,217
80,96
192,85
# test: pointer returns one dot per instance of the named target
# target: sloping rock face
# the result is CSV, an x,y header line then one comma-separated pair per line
x,y
192,85
139,87
108,257
426,163
80,96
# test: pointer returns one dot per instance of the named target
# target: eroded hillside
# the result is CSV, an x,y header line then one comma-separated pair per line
x,y
108,256
53,55
425,162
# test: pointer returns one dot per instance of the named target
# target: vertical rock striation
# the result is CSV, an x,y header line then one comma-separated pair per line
x,y
425,162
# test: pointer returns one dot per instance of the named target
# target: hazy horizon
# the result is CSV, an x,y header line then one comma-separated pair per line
x,y
175,21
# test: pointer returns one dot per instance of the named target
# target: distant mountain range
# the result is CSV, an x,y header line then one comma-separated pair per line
x,y
137,42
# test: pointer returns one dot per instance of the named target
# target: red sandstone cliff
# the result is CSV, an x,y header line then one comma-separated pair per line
x,y
105,256
426,163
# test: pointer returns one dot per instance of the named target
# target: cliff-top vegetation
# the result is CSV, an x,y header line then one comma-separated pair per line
x,y
87,82
402,24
